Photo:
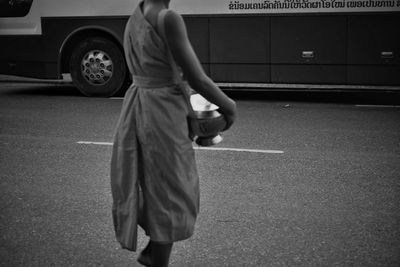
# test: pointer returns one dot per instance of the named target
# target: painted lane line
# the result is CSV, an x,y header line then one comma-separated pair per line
x,y
240,150
200,148
95,143
116,98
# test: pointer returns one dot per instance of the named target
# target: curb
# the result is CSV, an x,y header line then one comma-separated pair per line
x,y
239,86
17,79
308,87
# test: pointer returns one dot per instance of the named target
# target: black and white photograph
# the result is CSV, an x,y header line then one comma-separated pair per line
x,y
199,133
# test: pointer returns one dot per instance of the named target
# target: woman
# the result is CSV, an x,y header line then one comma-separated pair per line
x,y
152,147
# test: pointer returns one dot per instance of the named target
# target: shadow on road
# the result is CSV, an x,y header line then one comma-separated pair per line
x,y
41,90
350,97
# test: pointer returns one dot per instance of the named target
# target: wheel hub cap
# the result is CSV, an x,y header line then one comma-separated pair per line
x,y
97,67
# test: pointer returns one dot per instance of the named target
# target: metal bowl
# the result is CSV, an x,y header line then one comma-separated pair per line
x,y
210,122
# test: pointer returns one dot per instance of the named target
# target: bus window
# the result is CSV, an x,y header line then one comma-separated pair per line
x,y
15,8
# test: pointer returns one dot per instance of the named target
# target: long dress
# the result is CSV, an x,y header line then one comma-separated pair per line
x,y
154,179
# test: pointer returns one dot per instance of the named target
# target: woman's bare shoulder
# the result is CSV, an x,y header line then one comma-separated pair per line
x,y
172,15
174,23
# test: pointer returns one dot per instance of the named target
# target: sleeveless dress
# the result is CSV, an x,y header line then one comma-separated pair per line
x,y
154,179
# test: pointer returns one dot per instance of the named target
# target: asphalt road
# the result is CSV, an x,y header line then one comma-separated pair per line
x,y
332,198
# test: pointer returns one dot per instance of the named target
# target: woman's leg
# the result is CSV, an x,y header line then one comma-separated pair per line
x,y
160,254
145,256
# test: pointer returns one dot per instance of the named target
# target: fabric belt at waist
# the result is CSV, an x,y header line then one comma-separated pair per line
x,y
154,82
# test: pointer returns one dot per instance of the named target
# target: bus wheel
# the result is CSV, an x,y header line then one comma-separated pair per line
x,y
98,67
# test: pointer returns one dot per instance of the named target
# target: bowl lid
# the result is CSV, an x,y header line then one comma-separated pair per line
x,y
199,103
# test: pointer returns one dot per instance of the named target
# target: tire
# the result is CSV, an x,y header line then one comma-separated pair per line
x,y
97,67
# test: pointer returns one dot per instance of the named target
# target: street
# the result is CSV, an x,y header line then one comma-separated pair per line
x,y
312,183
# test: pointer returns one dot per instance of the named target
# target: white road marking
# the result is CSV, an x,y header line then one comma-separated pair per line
x,y
117,98
240,150
377,106
95,143
200,148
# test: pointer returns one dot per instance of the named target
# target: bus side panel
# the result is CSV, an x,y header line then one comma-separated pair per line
x,y
57,29
38,55
308,49
369,35
198,32
373,75
239,49
374,49
23,55
308,74
241,73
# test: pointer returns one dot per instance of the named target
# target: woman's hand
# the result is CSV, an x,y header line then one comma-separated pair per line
x,y
229,114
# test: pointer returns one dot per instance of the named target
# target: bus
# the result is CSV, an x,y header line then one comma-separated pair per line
x,y
239,42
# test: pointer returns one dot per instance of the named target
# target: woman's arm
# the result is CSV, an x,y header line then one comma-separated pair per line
x,y
186,58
